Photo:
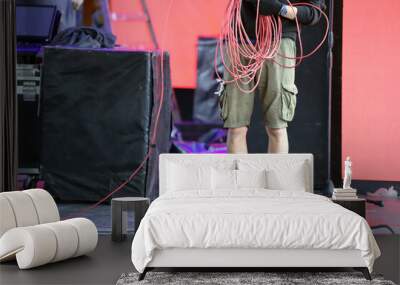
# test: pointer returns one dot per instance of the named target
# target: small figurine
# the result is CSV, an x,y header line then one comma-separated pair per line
x,y
347,174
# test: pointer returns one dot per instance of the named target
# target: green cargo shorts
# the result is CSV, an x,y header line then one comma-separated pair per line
x,y
276,89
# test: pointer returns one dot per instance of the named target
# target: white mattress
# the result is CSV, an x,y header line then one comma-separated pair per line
x,y
252,219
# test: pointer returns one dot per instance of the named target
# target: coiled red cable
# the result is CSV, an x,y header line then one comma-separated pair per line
x,y
235,44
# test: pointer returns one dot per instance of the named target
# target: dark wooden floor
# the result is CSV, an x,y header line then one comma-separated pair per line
x,y
103,266
106,264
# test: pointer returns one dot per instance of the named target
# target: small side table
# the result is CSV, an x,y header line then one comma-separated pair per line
x,y
119,214
357,205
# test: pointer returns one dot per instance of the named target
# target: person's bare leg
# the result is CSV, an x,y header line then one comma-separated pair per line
x,y
277,140
237,140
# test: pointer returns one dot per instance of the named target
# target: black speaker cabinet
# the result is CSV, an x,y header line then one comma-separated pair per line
x,y
98,114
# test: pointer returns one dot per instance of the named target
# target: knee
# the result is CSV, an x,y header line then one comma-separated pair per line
x,y
277,134
237,133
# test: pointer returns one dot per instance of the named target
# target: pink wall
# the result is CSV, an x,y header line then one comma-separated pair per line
x,y
188,20
371,96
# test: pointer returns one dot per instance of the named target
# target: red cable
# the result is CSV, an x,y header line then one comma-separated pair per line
x,y
268,38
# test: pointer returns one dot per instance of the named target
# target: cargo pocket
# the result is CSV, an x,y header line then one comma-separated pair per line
x,y
289,100
223,104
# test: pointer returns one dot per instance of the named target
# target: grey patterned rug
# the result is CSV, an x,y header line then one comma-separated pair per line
x,y
244,278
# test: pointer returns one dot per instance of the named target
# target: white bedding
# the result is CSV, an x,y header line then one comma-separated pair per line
x,y
251,218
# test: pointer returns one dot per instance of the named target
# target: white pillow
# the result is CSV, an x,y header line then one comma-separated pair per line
x,y
280,175
224,179
183,177
290,180
251,178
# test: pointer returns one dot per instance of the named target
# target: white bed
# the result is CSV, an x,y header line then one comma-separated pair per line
x,y
202,220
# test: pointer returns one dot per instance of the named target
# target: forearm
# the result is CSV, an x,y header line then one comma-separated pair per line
x,y
308,15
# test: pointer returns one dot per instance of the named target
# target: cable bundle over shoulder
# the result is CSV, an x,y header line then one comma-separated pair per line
x,y
235,45
243,57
